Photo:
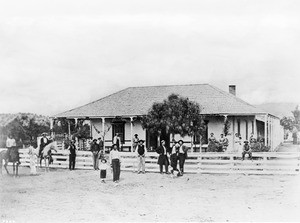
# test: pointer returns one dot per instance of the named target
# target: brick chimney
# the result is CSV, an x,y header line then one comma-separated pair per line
x,y
232,89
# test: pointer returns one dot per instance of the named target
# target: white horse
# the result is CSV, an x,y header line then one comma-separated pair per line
x,y
47,154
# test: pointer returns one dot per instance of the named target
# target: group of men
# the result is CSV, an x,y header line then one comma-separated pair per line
x,y
97,150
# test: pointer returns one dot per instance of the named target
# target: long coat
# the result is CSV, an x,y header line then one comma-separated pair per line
x,y
162,157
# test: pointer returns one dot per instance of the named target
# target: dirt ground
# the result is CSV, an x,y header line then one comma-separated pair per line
x,y
78,196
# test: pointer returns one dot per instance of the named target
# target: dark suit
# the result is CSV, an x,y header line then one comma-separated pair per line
x,y
163,158
182,156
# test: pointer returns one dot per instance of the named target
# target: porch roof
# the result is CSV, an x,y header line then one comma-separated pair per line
x,y
135,101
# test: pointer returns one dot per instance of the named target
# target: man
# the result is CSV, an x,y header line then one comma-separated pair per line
x,y
223,143
95,151
44,141
163,158
72,155
101,148
246,150
135,142
182,156
141,153
11,147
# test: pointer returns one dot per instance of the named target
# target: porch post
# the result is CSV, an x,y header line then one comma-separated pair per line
x,y
233,133
69,128
254,127
131,133
51,128
265,134
103,132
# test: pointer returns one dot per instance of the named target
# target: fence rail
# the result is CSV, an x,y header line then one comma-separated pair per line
x,y
227,163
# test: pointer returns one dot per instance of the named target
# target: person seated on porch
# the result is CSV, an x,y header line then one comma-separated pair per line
x,y
252,139
246,150
212,143
223,143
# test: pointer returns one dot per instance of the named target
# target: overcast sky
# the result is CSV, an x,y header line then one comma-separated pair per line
x,y
59,54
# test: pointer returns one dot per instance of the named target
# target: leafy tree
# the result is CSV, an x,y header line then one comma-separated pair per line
x,y
287,123
27,127
178,115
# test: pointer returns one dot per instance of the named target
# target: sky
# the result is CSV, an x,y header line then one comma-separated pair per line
x,y
56,55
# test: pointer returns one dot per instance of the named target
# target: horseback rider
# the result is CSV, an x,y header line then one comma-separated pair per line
x,y
12,149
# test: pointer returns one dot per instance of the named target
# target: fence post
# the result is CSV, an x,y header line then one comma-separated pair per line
x,y
264,162
199,158
231,158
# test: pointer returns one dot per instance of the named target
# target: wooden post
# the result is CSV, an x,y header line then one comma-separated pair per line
x,y
131,133
265,134
254,128
69,128
233,133
103,131
192,150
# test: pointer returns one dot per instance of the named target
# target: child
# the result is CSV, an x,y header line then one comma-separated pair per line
x,y
33,157
103,167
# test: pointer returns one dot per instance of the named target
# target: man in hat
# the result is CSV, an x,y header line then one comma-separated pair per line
x,y
141,153
135,142
163,158
182,155
95,149
246,150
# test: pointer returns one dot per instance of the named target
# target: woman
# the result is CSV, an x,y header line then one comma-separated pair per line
x,y
238,143
212,143
33,157
115,162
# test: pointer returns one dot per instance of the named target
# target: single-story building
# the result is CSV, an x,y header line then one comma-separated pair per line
x,y
116,113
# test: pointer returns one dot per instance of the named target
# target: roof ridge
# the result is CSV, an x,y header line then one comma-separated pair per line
x,y
92,102
171,85
233,96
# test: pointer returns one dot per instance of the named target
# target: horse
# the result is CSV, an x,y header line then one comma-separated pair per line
x,y
47,154
10,155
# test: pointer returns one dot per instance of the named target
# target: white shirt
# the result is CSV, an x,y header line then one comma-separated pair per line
x,y
10,142
114,154
181,149
103,166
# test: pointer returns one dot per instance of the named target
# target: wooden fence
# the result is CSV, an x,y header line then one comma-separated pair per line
x,y
262,163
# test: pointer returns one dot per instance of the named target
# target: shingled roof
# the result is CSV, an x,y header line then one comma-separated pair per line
x,y
134,101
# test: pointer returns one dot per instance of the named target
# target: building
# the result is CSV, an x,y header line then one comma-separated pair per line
x,y
116,113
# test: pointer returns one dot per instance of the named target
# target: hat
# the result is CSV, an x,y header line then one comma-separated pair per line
x,y
135,134
162,141
141,140
180,141
44,133
246,141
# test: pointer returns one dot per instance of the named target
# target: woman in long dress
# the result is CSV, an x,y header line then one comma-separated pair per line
x,y
238,143
33,158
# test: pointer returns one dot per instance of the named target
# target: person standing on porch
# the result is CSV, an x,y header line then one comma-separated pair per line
x,y
163,158
141,154
135,142
115,163
117,141
238,143
101,148
182,155
95,152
